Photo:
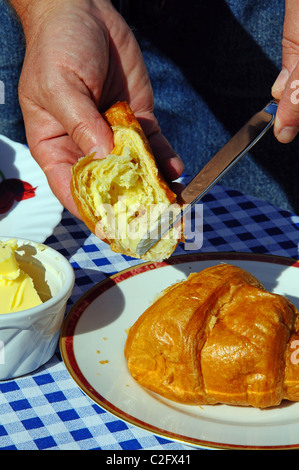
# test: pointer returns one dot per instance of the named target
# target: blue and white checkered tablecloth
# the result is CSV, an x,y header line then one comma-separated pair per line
x,y
46,409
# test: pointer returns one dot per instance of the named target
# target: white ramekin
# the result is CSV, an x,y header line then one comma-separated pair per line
x,y
28,338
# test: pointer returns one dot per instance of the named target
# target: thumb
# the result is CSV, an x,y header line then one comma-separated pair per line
x,y
286,86
81,119
286,125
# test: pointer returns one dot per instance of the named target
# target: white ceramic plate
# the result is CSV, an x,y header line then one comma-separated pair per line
x,y
34,218
92,344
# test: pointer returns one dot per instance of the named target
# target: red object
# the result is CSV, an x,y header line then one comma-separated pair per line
x,y
13,189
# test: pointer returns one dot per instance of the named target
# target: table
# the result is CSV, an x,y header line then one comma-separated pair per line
x,y
46,409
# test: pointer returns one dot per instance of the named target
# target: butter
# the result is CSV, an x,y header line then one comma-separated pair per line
x,y
9,268
17,291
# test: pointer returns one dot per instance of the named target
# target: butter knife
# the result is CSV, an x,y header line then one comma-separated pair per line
x,y
212,172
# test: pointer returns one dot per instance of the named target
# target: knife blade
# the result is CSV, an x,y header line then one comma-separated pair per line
x,y
211,173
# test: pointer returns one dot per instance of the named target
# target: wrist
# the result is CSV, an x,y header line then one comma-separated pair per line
x,y
30,12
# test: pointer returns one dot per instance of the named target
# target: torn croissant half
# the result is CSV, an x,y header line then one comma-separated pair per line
x,y
218,337
120,196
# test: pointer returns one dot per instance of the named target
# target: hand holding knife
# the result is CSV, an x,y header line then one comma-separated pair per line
x,y
213,171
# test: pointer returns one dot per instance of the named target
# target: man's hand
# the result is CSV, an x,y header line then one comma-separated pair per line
x,y
286,86
81,57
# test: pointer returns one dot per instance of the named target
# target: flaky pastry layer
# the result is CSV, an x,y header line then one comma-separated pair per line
x,y
119,196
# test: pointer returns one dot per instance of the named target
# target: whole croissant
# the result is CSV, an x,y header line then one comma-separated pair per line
x,y
217,337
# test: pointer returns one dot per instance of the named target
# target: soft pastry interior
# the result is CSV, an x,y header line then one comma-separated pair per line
x,y
121,195
217,337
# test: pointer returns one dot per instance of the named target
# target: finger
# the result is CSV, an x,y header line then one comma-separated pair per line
x,y
168,160
286,125
290,47
56,157
177,188
74,108
59,179
285,88
280,83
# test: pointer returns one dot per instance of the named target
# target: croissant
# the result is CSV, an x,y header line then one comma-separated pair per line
x,y
120,196
217,337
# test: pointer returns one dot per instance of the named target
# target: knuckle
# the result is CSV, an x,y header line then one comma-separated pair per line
x,y
79,132
290,47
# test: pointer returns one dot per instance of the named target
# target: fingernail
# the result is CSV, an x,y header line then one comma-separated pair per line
x,y
98,153
287,134
280,82
179,164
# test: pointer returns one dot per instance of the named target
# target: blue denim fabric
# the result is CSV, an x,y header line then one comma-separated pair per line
x,y
12,48
212,65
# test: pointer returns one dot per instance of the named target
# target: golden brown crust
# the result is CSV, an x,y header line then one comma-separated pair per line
x,y
120,114
218,337
128,134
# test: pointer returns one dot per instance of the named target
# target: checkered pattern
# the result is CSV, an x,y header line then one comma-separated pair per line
x,y
47,410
